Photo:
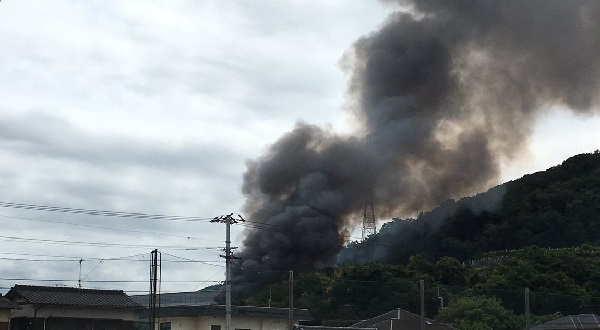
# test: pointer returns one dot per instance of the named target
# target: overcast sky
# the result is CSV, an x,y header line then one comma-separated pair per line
x,y
154,107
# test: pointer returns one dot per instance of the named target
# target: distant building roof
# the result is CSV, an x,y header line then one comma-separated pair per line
x,y
400,319
236,311
319,327
7,304
581,321
197,298
45,295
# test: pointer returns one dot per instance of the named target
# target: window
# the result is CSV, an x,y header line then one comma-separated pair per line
x,y
165,326
215,327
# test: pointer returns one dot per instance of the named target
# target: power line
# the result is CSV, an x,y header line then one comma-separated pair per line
x,y
55,258
136,215
99,281
119,214
64,242
107,228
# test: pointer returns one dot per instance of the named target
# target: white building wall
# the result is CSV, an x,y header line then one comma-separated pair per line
x,y
181,323
205,323
52,311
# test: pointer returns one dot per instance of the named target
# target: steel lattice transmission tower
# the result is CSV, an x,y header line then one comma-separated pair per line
x,y
369,226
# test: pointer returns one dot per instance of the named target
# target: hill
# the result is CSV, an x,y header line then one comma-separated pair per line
x,y
560,282
559,207
476,257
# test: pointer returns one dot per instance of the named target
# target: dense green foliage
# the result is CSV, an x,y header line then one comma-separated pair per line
x,y
561,282
479,313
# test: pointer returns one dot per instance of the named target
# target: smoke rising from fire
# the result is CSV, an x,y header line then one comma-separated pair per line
x,y
443,94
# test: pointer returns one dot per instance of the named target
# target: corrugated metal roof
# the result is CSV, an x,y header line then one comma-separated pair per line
x,y
581,321
198,298
45,295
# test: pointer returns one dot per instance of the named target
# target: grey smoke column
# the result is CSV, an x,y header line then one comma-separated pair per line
x,y
444,92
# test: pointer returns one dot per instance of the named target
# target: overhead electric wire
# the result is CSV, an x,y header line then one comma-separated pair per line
x,y
279,228
107,228
106,213
64,242
135,215
101,281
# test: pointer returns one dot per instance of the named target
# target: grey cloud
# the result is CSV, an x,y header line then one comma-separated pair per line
x,y
50,137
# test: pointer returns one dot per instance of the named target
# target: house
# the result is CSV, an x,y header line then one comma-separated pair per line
x,y
399,319
320,327
212,317
396,319
64,308
581,321
6,306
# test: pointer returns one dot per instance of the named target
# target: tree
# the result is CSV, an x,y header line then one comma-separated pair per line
x,y
478,313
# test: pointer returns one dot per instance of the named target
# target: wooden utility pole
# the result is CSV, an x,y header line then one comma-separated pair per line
x,y
291,296
422,290
228,220
527,308
154,287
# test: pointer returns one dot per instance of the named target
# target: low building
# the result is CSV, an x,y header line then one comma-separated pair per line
x,y
212,317
63,308
397,319
6,306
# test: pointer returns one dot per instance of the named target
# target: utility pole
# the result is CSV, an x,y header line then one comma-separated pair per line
x,y
80,261
526,308
154,302
291,296
228,220
422,290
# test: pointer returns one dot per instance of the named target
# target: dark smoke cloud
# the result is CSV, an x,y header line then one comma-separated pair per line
x,y
443,93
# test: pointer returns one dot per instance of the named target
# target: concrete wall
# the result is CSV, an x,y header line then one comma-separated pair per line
x,y
4,315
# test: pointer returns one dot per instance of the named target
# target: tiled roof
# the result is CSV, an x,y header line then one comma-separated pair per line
x,y
393,314
6,304
581,321
319,327
400,319
44,295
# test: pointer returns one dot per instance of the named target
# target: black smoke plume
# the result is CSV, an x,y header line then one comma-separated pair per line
x,y
442,94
